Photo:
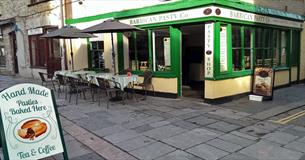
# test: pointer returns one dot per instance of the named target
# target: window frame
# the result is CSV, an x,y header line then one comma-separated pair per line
x,y
2,56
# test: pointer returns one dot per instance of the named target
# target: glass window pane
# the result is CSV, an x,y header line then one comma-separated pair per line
x,y
248,32
236,59
258,37
162,57
138,51
247,58
236,37
283,48
97,50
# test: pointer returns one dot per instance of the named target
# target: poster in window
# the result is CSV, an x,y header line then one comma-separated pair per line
x,y
223,49
263,81
167,57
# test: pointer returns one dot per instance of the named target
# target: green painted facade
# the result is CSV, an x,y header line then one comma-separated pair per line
x,y
176,40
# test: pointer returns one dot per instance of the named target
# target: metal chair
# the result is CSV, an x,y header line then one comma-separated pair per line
x,y
77,86
62,83
147,83
46,79
112,89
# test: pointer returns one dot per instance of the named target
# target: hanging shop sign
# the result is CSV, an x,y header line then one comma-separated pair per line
x,y
209,50
208,12
263,82
35,31
223,49
30,127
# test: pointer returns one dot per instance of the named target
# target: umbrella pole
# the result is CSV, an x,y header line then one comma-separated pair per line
x,y
113,54
71,53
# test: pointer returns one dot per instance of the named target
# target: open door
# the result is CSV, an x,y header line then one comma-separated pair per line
x,y
193,61
54,59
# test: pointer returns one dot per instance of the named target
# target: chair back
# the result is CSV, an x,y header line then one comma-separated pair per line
x,y
147,77
61,79
103,84
41,75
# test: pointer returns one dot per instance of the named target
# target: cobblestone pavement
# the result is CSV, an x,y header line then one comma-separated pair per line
x,y
179,129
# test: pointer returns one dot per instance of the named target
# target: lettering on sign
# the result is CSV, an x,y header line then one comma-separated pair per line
x,y
209,50
29,122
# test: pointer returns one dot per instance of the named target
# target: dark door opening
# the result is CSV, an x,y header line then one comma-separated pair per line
x,y
193,61
14,50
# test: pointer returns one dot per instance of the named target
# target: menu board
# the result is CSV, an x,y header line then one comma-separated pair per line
x,y
223,49
263,81
29,124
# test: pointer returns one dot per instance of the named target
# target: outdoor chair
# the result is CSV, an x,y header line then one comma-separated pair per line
x,y
46,79
111,89
77,86
146,84
62,85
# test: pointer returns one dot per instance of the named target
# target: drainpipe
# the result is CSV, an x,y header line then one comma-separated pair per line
x,y
64,65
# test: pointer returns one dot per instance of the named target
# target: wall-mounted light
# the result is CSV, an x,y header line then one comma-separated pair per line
x,y
80,2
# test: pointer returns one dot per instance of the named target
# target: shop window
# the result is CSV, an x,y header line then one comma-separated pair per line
x,y
97,52
276,39
248,47
32,2
236,48
1,34
262,47
295,48
2,57
283,48
41,48
138,51
161,50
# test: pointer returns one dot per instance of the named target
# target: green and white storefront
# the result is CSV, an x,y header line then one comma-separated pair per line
x,y
211,46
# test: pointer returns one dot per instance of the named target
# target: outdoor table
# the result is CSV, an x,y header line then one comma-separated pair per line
x,y
83,74
124,80
61,72
91,77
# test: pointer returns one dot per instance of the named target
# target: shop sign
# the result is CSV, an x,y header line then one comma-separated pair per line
x,y
208,12
263,81
29,125
35,31
223,49
209,50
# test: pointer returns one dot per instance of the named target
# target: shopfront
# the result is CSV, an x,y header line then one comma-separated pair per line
x,y
209,50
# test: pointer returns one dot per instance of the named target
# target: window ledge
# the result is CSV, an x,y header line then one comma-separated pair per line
x,y
280,68
34,4
38,67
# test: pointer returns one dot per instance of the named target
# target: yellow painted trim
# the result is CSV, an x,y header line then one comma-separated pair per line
x,y
281,78
294,74
166,85
227,87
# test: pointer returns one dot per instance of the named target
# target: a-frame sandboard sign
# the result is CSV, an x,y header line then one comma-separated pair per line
x,y
30,126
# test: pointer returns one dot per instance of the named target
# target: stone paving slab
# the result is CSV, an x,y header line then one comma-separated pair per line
x,y
190,138
152,151
201,120
224,145
280,137
223,126
237,156
121,136
296,146
135,143
164,132
178,155
207,152
269,151
236,140
276,110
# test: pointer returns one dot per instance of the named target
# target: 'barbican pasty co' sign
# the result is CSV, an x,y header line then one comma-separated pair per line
x,y
29,123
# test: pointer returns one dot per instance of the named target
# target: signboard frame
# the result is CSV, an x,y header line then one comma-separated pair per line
x,y
2,130
263,85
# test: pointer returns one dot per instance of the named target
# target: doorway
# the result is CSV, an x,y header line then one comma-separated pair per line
x,y
14,50
193,61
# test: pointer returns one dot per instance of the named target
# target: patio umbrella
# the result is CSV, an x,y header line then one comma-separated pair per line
x,y
68,32
111,26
